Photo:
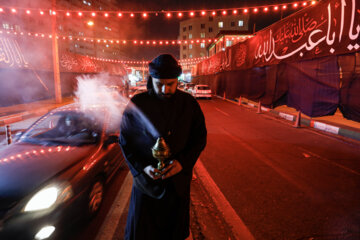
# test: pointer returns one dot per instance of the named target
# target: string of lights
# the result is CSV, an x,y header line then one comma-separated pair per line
x,y
123,41
189,61
167,14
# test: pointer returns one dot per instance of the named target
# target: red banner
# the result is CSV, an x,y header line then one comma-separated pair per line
x,y
330,27
22,54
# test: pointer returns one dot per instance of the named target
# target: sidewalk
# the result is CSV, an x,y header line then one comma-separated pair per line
x,y
335,124
12,115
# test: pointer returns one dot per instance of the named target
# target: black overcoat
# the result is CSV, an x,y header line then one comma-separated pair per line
x,y
181,122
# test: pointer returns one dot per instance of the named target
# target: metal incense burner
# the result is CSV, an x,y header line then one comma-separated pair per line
x,y
161,152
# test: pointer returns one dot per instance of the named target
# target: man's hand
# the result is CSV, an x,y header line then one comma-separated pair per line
x,y
173,168
152,172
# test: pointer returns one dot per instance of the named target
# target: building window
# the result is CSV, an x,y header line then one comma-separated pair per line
x,y
202,35
184,56
6,26
184,29
202,45
190,56
190,46
184,37
232,24
210,29
210,18
241,23
202,26
184,47
221,24
190,27
190,36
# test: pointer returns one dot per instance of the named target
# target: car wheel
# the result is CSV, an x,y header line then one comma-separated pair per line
x,y
95,197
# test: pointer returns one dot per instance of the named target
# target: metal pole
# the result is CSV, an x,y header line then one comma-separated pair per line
x,y
8,134
57,82
297,123
259,108
143,70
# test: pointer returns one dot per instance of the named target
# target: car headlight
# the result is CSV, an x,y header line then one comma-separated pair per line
x,y
48,197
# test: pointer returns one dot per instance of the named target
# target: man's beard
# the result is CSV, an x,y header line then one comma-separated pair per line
x,y
165,97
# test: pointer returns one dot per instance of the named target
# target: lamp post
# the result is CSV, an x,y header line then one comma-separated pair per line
x,y
55,50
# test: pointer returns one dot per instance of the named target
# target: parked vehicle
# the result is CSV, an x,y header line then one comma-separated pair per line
x,y
56,171
202,91
189,87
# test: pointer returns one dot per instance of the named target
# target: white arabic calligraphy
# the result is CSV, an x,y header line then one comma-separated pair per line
x,y
10,53
351,35
343,4
267,49
68,62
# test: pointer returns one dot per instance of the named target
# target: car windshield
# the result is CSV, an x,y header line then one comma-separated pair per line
x,y
64,128
203,88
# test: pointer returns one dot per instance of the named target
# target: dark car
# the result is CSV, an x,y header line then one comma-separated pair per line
x,y
55,172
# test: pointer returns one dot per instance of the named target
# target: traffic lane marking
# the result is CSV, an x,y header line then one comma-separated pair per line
x,y
226,114
239,229
329,161
108,227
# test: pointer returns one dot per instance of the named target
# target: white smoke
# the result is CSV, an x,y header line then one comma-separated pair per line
x,y
97,92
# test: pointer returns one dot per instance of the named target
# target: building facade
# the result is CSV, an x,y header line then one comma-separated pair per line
x,y
208,27
72,26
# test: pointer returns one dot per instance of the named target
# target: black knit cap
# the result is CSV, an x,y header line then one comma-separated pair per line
x,y
164,66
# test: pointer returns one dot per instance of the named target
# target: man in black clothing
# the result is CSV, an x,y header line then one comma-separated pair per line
x,y
160,200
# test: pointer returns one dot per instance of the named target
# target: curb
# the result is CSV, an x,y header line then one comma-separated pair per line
x,y
29,114
22,116
305,122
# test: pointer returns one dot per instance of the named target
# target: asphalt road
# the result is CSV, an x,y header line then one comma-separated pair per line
x,y
283,182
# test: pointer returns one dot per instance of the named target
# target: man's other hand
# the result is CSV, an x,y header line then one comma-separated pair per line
x,y
152,172
171,169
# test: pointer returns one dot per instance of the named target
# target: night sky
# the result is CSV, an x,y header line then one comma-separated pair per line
x,y
161,28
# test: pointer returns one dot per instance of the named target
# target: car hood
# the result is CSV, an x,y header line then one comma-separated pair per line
x,y
24,167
